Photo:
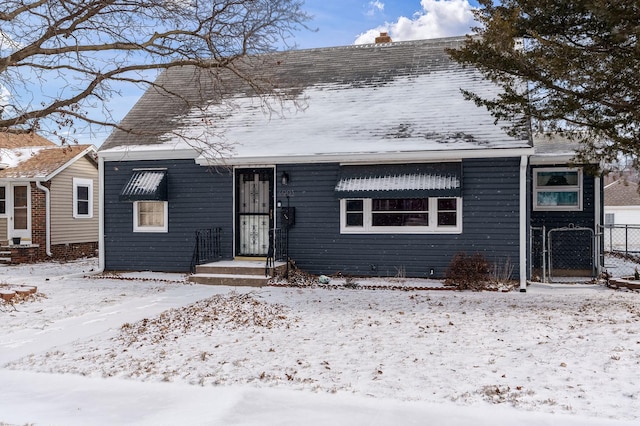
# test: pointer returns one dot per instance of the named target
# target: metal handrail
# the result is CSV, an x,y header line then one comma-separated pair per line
x,y
278,248
207,247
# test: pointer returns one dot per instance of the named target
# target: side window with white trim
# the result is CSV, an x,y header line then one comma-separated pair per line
x,y
557,188
3,200
82,198
150,216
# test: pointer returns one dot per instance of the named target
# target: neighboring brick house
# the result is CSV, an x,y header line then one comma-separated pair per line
x,y
48,199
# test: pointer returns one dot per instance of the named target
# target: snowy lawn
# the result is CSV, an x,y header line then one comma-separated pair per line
x,y
557,354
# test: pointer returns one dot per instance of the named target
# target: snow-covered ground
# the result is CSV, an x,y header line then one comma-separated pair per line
x,y
150,349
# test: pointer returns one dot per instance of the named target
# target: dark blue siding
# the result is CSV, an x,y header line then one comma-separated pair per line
x,y
199,197
490,225
573,249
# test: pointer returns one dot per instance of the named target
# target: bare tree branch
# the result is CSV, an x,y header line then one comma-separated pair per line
x,y
57,57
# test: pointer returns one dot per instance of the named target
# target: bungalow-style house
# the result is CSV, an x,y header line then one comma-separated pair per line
x,y
48,199
370,163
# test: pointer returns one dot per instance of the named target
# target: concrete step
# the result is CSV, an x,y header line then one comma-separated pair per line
x,y
230,279
235,273
242,267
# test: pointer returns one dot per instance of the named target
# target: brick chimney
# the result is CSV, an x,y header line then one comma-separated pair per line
x,y
383,38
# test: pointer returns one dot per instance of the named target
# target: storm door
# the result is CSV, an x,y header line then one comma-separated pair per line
x,y
254,211
21,220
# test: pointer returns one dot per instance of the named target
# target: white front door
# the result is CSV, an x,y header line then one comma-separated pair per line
x,y
20,219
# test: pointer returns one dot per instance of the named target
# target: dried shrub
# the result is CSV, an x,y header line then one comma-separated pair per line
x,y
468,272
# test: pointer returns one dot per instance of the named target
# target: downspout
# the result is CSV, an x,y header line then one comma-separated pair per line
x,y
523,223
598,231
101,261
47,202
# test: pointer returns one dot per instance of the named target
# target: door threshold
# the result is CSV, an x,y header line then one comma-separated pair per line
x,y
256,258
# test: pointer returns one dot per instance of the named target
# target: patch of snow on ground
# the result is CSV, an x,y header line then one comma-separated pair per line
x,y
149,348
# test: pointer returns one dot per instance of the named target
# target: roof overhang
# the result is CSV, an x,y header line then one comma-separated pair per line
x,y
88,150
369,158
148,154
551,159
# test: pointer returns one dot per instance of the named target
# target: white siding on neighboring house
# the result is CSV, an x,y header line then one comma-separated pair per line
x,y
3,229
64,227
623,215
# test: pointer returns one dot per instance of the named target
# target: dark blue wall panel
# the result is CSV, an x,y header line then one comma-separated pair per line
x,y
199,197
490,225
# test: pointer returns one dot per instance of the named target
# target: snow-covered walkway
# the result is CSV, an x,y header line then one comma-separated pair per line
x,y
434,346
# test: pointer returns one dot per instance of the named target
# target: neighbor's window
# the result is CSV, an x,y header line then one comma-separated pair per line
x,y
3,200
150,216
557,189
402,215
82,198
609,219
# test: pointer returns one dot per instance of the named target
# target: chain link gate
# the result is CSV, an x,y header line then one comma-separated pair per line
x,y
563,252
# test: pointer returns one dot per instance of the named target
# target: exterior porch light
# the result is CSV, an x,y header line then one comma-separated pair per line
x,y
284,179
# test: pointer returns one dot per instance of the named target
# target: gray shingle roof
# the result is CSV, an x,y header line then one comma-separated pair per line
x,y
621,193
390,98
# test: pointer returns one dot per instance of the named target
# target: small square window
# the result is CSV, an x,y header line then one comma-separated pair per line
x,y
355,213
447,212
150,216
3,200
82,198
557,189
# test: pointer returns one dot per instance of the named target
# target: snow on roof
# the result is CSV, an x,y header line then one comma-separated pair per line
x,y
37,162
145,185
398,182
347,101
338,120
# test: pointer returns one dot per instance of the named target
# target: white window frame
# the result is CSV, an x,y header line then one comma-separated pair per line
x,y
138,228
578,188
6,193
80,182
368,228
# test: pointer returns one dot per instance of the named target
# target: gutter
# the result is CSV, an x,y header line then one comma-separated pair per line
x,y
47,195
523,223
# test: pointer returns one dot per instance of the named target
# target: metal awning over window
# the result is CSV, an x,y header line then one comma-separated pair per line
x,y
400,181
146,185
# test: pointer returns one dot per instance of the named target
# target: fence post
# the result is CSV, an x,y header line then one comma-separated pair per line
x,y
626,240
544,254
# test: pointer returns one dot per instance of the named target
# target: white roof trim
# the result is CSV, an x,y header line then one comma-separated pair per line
x,y
551,159
371,158
150,154
84,152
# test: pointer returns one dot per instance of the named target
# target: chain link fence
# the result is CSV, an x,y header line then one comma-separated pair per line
x,y
561,254
621,249
621,238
